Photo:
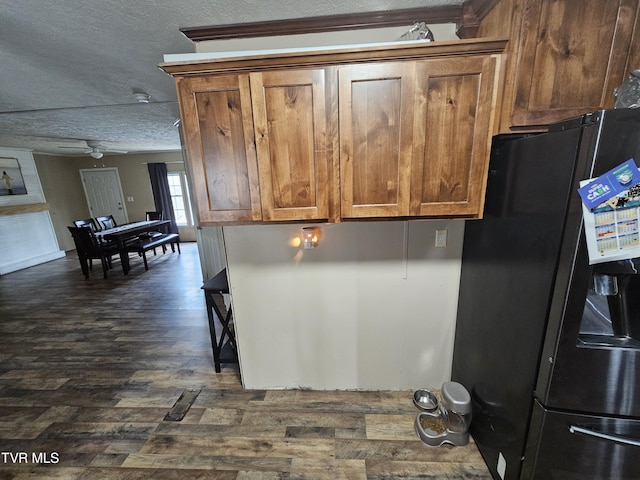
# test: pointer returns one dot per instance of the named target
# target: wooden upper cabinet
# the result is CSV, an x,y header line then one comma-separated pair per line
x,y
257,145
376,135
572,56
291,141
454,123
218,135
376,131
566,56
415,137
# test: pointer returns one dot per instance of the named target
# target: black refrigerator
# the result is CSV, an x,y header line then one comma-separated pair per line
x,y
547,342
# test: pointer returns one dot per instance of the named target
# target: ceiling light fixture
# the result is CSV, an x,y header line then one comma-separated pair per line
x,y
142,97
96,154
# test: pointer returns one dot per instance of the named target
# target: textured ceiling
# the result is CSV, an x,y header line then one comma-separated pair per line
x,y
69,68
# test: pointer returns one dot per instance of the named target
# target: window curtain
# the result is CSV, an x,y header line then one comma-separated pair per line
x,y
161,193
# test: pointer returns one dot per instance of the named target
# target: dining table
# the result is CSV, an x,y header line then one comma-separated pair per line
x,y
123,233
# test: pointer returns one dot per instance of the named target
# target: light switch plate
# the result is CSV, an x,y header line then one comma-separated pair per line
x,y
441,238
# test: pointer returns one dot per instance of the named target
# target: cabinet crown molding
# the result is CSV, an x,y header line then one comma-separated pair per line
x,y
351,21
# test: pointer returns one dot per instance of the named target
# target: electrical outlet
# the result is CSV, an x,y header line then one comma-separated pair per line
x,y
441,238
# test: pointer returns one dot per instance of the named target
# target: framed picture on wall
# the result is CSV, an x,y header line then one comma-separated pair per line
x,y
11,181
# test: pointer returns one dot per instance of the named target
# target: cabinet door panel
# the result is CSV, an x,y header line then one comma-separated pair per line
x,y
291,130
376,116
572,55
453,130
216,113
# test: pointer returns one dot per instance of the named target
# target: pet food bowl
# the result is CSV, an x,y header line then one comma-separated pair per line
x,y
432,430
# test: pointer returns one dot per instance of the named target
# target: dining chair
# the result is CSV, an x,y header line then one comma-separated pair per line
x,y
95,226
154,234
89,248
155,215
106,222
88,222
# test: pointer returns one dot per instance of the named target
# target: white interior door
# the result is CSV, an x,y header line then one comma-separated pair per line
x,y
104,193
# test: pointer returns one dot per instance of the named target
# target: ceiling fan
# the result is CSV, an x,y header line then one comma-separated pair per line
x,y
95,149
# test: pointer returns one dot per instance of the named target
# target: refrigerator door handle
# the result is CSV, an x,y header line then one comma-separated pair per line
x,y
605,436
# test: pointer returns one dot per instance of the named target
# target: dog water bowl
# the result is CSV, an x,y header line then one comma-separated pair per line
x,y
425,400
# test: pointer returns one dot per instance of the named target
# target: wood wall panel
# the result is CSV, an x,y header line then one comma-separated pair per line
x,y
27,208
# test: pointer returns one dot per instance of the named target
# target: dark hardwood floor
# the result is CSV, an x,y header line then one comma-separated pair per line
x,y
89,369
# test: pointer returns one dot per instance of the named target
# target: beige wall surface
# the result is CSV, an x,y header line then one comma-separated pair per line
x,y
62,186
63,190
372,307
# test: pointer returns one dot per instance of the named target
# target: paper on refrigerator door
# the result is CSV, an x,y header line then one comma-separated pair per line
x,y
610,184
612,229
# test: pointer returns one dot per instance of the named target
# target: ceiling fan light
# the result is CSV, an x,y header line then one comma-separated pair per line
x,y
142,97
96,155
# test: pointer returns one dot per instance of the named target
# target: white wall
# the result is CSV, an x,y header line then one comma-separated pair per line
x,y
445,31
373,307
26,239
